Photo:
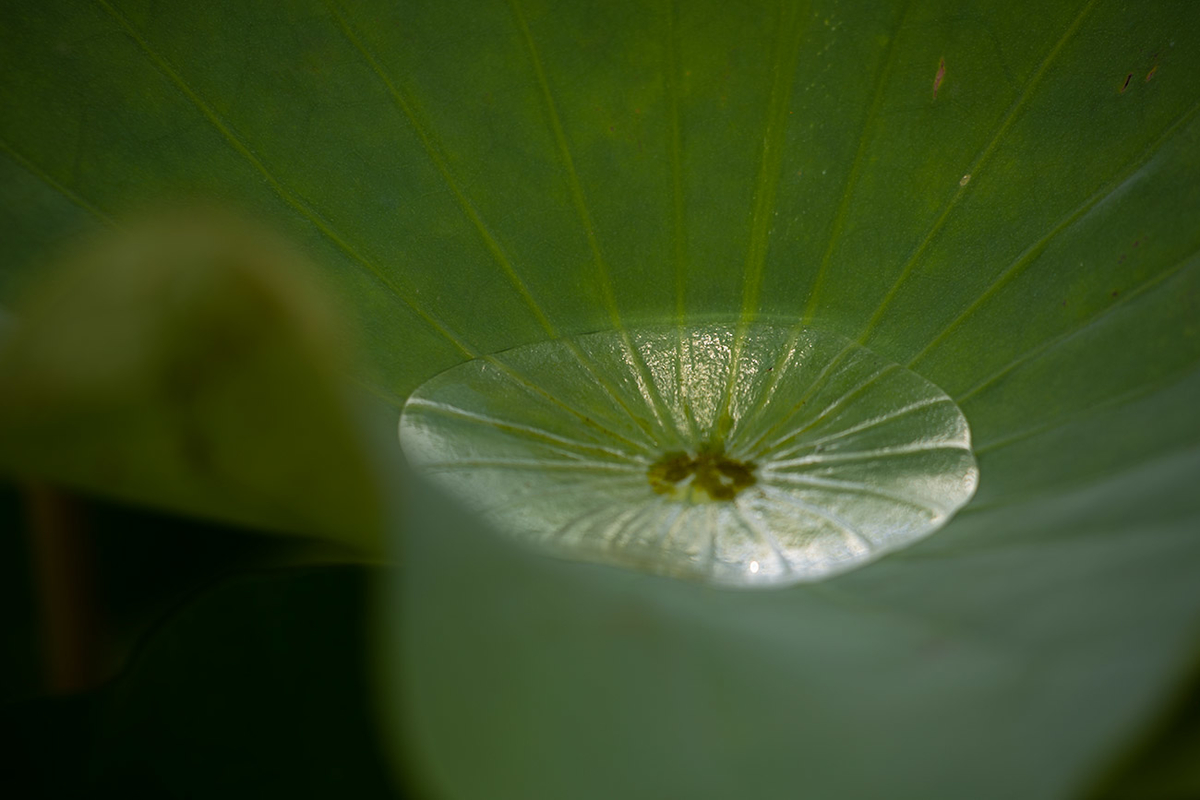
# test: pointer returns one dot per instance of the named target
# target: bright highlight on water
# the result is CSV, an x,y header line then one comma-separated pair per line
x,y
741,456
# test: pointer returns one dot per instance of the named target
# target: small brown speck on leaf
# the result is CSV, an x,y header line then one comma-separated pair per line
x,y
1125,85
1150,74
941,74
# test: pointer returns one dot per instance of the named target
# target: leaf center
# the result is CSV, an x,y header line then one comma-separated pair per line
x,y
707,476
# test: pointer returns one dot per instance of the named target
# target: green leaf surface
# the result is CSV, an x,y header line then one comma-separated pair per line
x,y
1001,196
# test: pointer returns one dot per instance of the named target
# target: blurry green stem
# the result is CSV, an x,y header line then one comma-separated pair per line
x,y
64,570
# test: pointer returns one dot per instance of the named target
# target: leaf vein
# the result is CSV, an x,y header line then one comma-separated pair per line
x,y
981,159
290,198
1033,251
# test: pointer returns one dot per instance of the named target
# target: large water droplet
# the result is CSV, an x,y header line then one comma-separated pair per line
x,y
746,456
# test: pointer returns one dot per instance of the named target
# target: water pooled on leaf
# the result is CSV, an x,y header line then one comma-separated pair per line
x,y
740,455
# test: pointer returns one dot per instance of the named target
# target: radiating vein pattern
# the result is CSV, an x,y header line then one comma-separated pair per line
x,y
849,457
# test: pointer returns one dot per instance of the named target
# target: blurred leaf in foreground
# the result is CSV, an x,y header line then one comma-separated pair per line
x,y
187,363
1166,766
1011,656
